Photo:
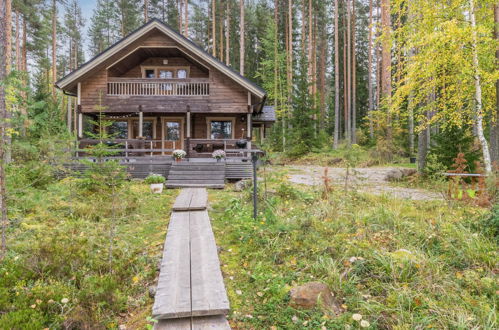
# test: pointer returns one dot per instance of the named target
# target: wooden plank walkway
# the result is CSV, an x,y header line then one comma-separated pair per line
x,y
190,292
217,322
191,199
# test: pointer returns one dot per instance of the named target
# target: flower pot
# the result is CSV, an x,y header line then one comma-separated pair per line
x,y
157,188
241,144
178,160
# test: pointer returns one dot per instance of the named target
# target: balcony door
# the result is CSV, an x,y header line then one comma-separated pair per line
x,y
172,133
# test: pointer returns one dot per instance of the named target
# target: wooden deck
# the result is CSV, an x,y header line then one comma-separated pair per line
x,y
190,293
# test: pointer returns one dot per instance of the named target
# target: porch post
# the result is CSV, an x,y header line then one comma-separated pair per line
x,y
249,122
141,122
188,131
80,115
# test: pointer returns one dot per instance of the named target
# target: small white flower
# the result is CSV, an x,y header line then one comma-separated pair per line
x,y
64,300
357,317
353,259
294,319
364,324
239,292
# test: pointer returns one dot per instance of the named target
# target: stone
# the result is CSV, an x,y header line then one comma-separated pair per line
x,y
398,174
241,185
152,291
314,294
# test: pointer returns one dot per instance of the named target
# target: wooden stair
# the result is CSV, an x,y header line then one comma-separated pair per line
x,y
196,175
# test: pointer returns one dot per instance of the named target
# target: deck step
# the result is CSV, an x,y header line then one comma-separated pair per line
x,y
196,174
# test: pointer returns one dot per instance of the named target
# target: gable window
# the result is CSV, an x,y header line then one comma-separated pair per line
x,y
165,72
220,128
181,74
149,73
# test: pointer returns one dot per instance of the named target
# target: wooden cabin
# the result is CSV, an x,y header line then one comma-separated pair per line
x,y
163,92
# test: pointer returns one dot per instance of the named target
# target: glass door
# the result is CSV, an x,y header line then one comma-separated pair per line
x,y
173,134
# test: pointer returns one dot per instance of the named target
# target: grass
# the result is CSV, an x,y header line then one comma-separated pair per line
x,y
57,273
423,264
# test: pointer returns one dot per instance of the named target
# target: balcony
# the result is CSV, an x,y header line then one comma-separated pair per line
x,y
158,87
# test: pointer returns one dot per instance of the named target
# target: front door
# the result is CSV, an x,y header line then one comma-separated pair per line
x,y
172,134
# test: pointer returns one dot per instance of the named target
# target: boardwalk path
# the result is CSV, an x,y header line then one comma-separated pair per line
x,y
191,293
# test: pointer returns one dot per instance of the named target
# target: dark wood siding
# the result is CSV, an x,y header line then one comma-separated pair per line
x,y
225,95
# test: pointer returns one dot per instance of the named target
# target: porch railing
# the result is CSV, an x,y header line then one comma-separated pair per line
x,y
119,148
129,148
158,87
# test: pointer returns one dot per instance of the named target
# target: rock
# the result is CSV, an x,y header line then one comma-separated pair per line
x,y
314,294
398,174
152,291
241,185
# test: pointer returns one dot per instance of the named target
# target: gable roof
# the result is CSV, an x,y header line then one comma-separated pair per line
x,y
177,37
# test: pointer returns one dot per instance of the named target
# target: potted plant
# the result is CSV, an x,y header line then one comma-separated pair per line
x,y
178,154
242,142
218,155
156,181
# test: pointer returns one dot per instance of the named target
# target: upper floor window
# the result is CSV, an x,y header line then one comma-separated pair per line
x,y
162,72
149,73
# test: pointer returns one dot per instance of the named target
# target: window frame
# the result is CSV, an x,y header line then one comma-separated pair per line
x,y
209,120
156,69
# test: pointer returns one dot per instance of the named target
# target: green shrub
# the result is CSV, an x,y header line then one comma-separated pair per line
x,y
155,178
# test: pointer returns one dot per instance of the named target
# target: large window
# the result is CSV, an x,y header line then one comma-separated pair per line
x,y
221,129
147,129
118,130
172,131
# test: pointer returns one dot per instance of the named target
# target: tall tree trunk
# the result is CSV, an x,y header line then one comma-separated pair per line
x,y
186,18
241,38
18,42
478,92
370,71
180,3
221,37
422,149
309,46
25,46
227,34
336,76
345,82
146,13
354,75
348,123
54,47
8,35
494,130
214,27
386,60
4,27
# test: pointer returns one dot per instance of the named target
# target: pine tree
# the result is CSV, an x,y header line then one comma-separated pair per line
x,y
102,31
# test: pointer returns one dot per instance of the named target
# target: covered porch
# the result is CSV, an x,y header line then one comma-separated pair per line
x,y
143,134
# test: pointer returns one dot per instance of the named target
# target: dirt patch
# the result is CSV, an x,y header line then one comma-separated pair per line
x,y
372,180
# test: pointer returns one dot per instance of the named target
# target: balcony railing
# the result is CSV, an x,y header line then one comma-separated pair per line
x,y
158,87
